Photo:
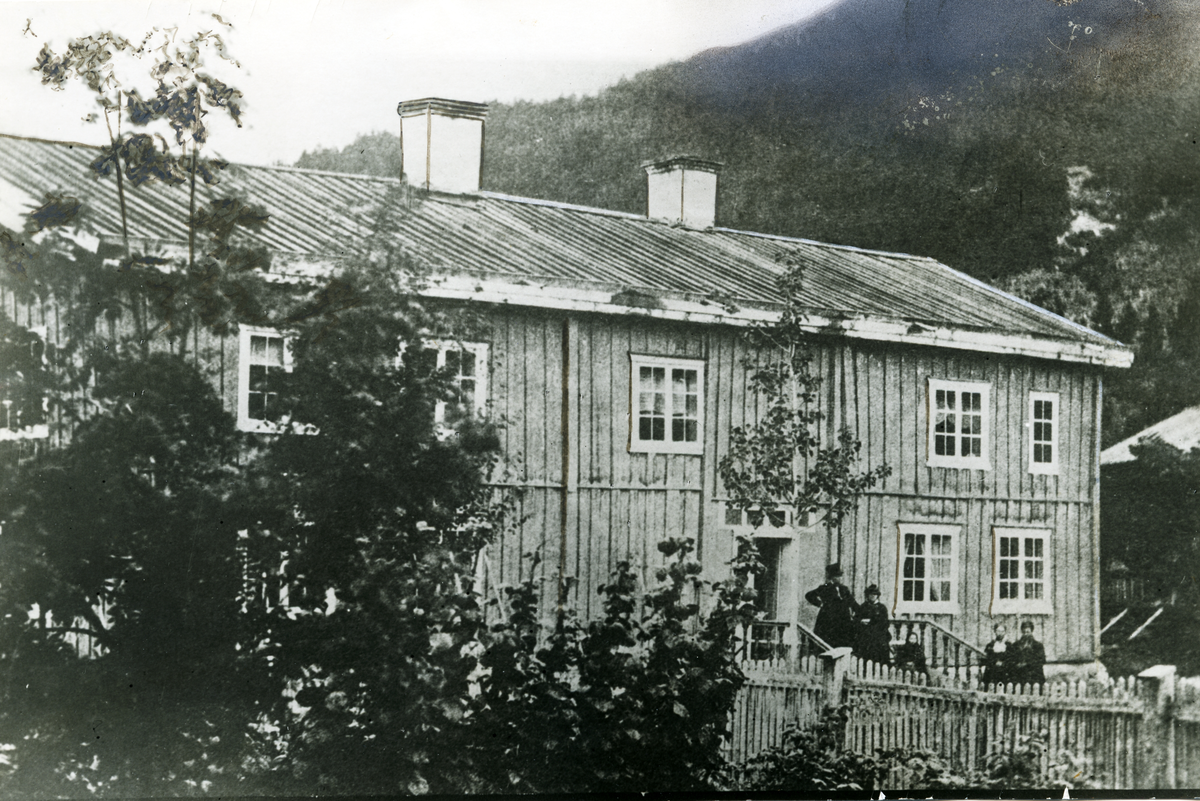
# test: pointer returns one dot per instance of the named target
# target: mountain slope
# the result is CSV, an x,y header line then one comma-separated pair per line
x,y
978,132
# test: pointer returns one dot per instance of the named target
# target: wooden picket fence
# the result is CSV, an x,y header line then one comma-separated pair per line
x,y
1136,732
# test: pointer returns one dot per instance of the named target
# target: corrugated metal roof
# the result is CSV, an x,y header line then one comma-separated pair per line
x,y
1181,431
314,214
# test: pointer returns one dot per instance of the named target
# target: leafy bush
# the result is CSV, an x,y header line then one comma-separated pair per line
x,y
630,702
815,760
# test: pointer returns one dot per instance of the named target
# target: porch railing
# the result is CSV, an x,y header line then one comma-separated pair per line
x,y
777,644
944,650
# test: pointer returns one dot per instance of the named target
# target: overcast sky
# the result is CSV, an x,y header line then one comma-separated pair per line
x,y
318,72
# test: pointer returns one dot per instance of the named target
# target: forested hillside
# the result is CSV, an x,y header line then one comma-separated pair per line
x,y
1049,146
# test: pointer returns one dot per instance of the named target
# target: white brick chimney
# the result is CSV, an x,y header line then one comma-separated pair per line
x,y
682,189
442,143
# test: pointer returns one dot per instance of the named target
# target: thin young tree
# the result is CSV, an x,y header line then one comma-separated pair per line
x,y
785,460
184,93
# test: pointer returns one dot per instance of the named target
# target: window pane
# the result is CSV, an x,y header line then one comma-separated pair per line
x,y
645,428
677,431
691,431
258,378
468,363
258,348
767,582
257,406
275,351
733,516
658,429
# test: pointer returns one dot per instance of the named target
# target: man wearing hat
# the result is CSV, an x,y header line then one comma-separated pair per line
x,y
835,621
874,638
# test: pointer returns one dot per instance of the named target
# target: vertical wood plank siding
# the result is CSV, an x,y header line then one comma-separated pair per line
x,y
620,504
215,355
605,504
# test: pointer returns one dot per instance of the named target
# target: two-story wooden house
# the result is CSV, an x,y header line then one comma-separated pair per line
x,y
615,356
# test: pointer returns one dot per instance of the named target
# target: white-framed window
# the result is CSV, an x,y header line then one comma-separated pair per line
x,y
927,568
23,409
264,357
1021,571
468,363
666,412
1043,432
959,424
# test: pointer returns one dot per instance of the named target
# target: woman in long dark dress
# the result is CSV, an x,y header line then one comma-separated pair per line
x,y
874,636
997,659
911,656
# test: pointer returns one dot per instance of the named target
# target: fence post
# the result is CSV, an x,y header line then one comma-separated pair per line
x,y
1156,689
834,664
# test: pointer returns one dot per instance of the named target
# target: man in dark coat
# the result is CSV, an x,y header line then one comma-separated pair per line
x,y
1029,657
874,637
835,621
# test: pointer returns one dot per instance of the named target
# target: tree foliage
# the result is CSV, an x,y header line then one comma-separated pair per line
x,y
785,459
124,543
1150,516
636,701
185,92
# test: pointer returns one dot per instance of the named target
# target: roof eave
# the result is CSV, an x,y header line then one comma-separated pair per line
x,y
536,292
550,295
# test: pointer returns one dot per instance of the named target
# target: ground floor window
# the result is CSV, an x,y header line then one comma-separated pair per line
x,y
1020,572
927,568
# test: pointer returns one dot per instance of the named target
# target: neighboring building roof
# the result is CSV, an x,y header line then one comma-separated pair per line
x,y
1181,431
495,247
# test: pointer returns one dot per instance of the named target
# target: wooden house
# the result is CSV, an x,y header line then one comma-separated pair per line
x,y
615,357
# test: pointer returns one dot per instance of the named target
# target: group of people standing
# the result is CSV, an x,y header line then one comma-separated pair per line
x,y
845,623
842,622
1020,662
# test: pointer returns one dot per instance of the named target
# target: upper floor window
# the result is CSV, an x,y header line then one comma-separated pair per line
x,y
927,568
264,359
1043,432
958,424
467,365
1021,573
23,403
667,402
